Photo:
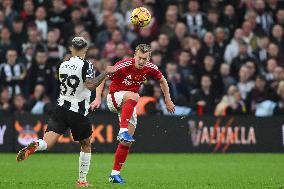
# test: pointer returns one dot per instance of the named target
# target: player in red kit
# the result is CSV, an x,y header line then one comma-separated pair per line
x,y
123,96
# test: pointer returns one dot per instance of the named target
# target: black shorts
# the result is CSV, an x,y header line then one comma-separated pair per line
x,y
63,119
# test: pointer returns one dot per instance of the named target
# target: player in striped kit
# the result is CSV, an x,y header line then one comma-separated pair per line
x,y
76,82
123,96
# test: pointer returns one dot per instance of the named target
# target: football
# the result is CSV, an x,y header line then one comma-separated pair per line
x,y
140,17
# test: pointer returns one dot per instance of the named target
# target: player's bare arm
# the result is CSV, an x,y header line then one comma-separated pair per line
x,y
165,88
92,84
99,90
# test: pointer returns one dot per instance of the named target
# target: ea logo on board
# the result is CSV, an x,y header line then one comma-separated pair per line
x,y
28,133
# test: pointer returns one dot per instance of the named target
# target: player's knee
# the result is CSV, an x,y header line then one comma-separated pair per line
x,y
85,144
132,96
125,143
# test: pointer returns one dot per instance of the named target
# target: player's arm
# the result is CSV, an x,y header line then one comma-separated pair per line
x,y
93,83
99,90
166,91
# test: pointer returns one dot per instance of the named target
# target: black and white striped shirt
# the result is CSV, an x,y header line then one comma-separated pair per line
x,y
12,76
74,95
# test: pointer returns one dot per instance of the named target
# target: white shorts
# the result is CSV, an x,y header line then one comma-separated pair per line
x,y
115,106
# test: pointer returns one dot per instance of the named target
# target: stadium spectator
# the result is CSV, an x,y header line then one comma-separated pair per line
x,y
171,19
120,52
209,47
232,49
174,80
19,104
277,36
112,6
245,85
58,14
5,43
109,50
248,36
18,32
278,75
263,18
194,18
40,22
55,51
280,17
28,14
271,64
274,52
209,67
5,100
163,41
105,35
261,53
240,59
156,58
221,41
42,73
176,40
188,77
69,27
144,36
9,12
38,100
212,21
34,39
88,18
229,20
279,109
258,94
2,19
225,79
231,103
252,68
193,45
13,73
203,100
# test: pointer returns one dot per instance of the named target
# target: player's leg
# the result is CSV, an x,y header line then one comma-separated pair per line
x,y
122,153
82,131
56,127
129,102
46,143
84,162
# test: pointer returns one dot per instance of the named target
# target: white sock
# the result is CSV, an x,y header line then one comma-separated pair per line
x,y
121,130
42,145
115,172
84,164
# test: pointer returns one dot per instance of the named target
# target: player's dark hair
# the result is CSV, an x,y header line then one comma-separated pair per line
x,y
17,19
143,48
79,43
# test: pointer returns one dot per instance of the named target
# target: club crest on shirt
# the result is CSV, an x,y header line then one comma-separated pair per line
x,y
136,80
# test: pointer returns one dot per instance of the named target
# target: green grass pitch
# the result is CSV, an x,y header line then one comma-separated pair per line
x,y
153,171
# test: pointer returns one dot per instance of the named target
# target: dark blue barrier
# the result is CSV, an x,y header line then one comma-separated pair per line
x,y
157,134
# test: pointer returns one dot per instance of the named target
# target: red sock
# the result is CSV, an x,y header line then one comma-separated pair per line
x,y
126,112
120,156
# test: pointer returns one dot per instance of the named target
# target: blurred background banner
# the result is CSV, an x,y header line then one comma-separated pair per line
x,y
7,134
157,134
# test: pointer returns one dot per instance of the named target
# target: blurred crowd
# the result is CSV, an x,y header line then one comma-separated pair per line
x,y
219,56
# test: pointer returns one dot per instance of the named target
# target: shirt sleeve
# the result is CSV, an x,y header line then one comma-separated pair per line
x,y
88,70
155,73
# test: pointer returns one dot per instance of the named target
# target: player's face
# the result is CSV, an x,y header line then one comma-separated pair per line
x,y
141,59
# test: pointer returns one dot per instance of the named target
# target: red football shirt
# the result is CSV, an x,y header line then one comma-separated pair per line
x,y
129,78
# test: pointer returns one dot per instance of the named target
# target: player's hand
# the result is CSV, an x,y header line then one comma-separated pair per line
x,y
110,69
95,104
170,106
